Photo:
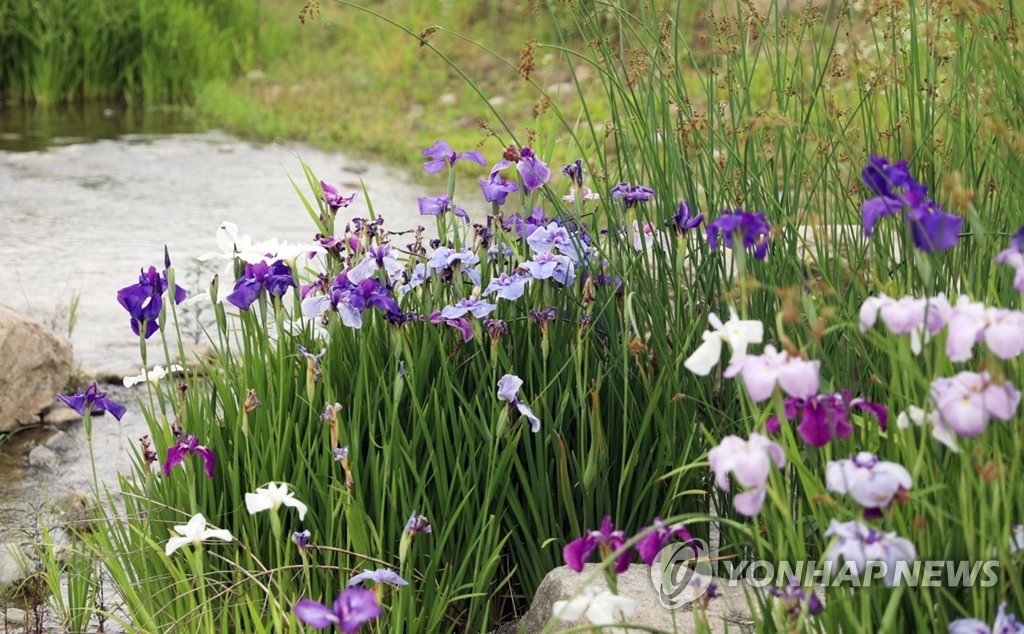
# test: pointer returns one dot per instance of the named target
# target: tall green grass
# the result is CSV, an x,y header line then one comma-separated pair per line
x,y
138,51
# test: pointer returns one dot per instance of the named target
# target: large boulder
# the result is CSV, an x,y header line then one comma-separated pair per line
x,y
35,364
728,611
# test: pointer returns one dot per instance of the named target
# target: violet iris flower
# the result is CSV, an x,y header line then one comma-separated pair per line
x,y
858,545
824,417
606,541
752,228
189,446
574,171
352,608
459,323
333,198
275,278
932,229
510,287
659,537
442,154
417,524
683,221
496,189
548,265
1005,624
349,300
524,227
533,171
144,300
871,482
1014,257
797,599
632,194
553,236
92,402
438,205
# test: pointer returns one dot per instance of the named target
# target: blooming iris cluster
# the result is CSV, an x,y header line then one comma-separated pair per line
x,y
353,608
895,190
275,278
751,229
350,300
632,194
969,400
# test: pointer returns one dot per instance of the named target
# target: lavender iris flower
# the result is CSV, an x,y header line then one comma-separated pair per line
x,y
683,221
92,402
1005,624
533,171
824,417
333,198
553,236
548,265
969,400
1014,257
442,154
275,278
871,482
438,205
632,194
381,575
858,545
189,446
659,537
460,323
417,524
445,257
797,599
607,540
352,608
750,462
524,227
477,307
752,228
143,301
349,300
510,287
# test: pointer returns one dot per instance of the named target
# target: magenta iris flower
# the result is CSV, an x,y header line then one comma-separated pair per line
x,y
683,221
274,278
752,229
441,154
189,446
659,537
496,189
144,300
459,323
606,541
438,205
796,599
352,608
333,198
632,194
92,402
824,417
750,462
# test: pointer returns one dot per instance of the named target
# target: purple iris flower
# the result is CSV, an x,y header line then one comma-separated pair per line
x,y
1005,624
871,482
752,228
683,221
189,446
301,539
477,307
445,257
275,278
858,545
659,537
574,171
524,227
460,323
381,575
632,194
797,599
824,417
533,171
442,154
510,287
417,524
932,228
607,540
144,300
496,189
437,205
548,265
92,402
352,608
344,297
1014,257
333,197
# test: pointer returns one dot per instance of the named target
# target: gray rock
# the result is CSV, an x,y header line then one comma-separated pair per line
x,y
61,415
62,442
729,611
35,364
15,566
13,616
42,457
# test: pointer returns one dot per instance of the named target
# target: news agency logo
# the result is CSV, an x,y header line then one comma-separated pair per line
x,y
681,573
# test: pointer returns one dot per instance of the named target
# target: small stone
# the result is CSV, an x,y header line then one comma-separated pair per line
x,y
62,415
448,99
61,442
42,457
13,616
78,509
